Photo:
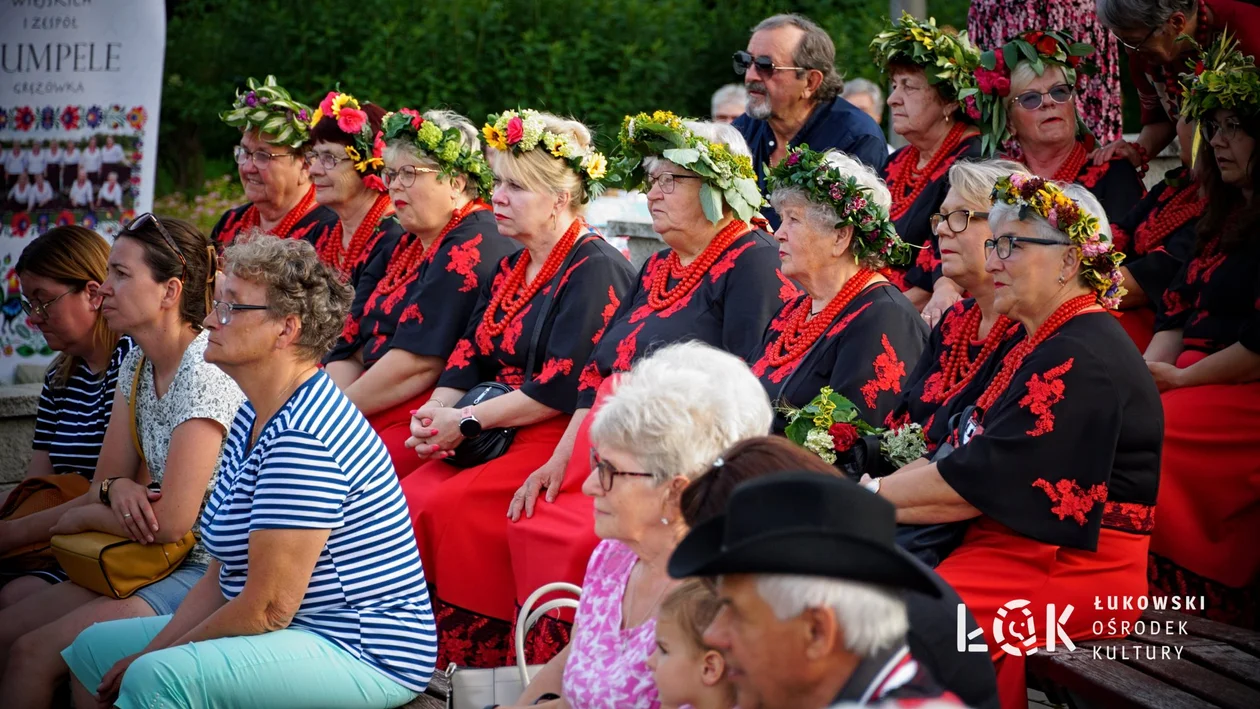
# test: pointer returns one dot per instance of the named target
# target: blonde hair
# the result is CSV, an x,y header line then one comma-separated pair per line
x,y
691,606
538,170
973,180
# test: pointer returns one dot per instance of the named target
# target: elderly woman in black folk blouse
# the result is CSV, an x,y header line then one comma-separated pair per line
x,y
852,330
414,298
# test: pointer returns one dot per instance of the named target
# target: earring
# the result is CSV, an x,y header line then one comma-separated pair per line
x,y
553,221
664,521
1060,280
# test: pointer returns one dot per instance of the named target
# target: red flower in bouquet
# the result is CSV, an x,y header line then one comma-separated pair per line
x,y
1047,46
373,182
515,130
416,119
351,120
843,436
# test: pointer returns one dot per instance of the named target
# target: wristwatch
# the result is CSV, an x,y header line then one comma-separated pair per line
x,y
105,485
873,484
469,426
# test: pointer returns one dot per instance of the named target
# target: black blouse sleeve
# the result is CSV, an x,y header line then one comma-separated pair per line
x,y
465,368
1042,458
1154,272
752,297
593,375
1171,311
598,277
1116,185
370,274
872,363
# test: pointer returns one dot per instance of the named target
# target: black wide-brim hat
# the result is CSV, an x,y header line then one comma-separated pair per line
x,y
802,523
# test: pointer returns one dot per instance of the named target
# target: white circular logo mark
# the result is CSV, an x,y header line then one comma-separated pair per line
x,y
1021,627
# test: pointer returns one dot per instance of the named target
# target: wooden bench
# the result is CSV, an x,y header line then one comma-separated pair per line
x,y
1218,666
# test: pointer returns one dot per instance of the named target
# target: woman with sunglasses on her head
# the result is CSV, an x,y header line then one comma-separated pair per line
x,y
158,290
273,169
415,296
534,326
345,160
1030,108
1205,357
61,273
1056,466
939,126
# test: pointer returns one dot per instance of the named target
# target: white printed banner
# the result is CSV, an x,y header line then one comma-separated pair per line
x,y
80,93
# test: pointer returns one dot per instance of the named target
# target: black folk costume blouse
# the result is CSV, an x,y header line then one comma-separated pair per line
x,y
728,309
428,310
1157,236
311,226
914,227
1116,185
926,401
864,355
1072,445
597,278
1215,298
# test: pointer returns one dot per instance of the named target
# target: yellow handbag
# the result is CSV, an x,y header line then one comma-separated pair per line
x,y
116,566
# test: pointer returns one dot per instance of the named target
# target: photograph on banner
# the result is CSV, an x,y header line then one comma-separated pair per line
x,y
79,105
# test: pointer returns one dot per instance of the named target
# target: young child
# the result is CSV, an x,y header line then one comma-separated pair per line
x,y
687,672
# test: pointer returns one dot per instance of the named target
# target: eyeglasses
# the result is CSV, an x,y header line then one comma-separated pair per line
x,y
406,175
261,158
957,220
607,471
328,160
665,181
1005,244
765,65
224,310
1139,45
1227,128
1032,100
34,307
139,222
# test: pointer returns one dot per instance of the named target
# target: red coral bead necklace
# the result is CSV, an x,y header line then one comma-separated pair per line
x,y
660,296
1168,216
800,332
252,218
407,256
959,369
906,182
515,293
330,248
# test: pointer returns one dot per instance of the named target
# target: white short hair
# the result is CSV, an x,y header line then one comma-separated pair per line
x,y
859,87
1000,213
731,93
680,407
823,217
400,147
873,618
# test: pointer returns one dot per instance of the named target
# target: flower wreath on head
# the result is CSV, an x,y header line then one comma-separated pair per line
x,y
1223,78
446,147
824,183
523,130
948,61
270,110
1099,259
367,152
723,174
1040,48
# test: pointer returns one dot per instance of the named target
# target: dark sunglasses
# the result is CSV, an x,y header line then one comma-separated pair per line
x,y
765,65
1032,100
139,222
607,472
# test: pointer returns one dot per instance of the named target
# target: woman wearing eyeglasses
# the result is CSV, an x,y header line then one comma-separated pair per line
x,y
157,291
1055,468
1033,106
1161,39
273,169
1205,357
416,295
972,338
61,273
929,111
345,161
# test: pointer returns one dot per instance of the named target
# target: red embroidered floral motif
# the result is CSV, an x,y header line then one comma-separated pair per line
x,y
590,377
678,306
411,312
1093,174
782,318
512,376
727,262
465,258
552,367
649,273
609,310
350,332
1044,393
565,278
626,349
840,326
393,300
461,356
485,344
892,420
889,371
1120,238
1129,517
926,260
1070,500
513,331
895,276
788,291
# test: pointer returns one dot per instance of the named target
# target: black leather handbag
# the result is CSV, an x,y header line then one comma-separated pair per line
x,y
931,543
494,442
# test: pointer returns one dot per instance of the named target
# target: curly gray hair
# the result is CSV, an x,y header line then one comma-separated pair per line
x,y
298,284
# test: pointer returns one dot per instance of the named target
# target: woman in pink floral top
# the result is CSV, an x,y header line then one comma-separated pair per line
x,y
666,421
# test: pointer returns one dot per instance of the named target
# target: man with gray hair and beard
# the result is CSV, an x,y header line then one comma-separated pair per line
x,y
794,97
810,582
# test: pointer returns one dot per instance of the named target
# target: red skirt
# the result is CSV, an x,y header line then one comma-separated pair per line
x,y
1209,486
393,425
1139,323
995,566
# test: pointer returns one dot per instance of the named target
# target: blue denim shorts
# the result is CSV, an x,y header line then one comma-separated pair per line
x,y
166,595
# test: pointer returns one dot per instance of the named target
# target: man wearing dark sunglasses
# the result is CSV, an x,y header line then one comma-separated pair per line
x,y
1160,37
789,69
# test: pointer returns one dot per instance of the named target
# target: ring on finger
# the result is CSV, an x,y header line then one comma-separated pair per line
x,y
127,516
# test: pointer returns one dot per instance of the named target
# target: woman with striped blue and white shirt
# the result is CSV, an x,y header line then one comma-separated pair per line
x,y
315,595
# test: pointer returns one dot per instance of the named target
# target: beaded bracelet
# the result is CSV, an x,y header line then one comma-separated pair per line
x,y
1144,156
